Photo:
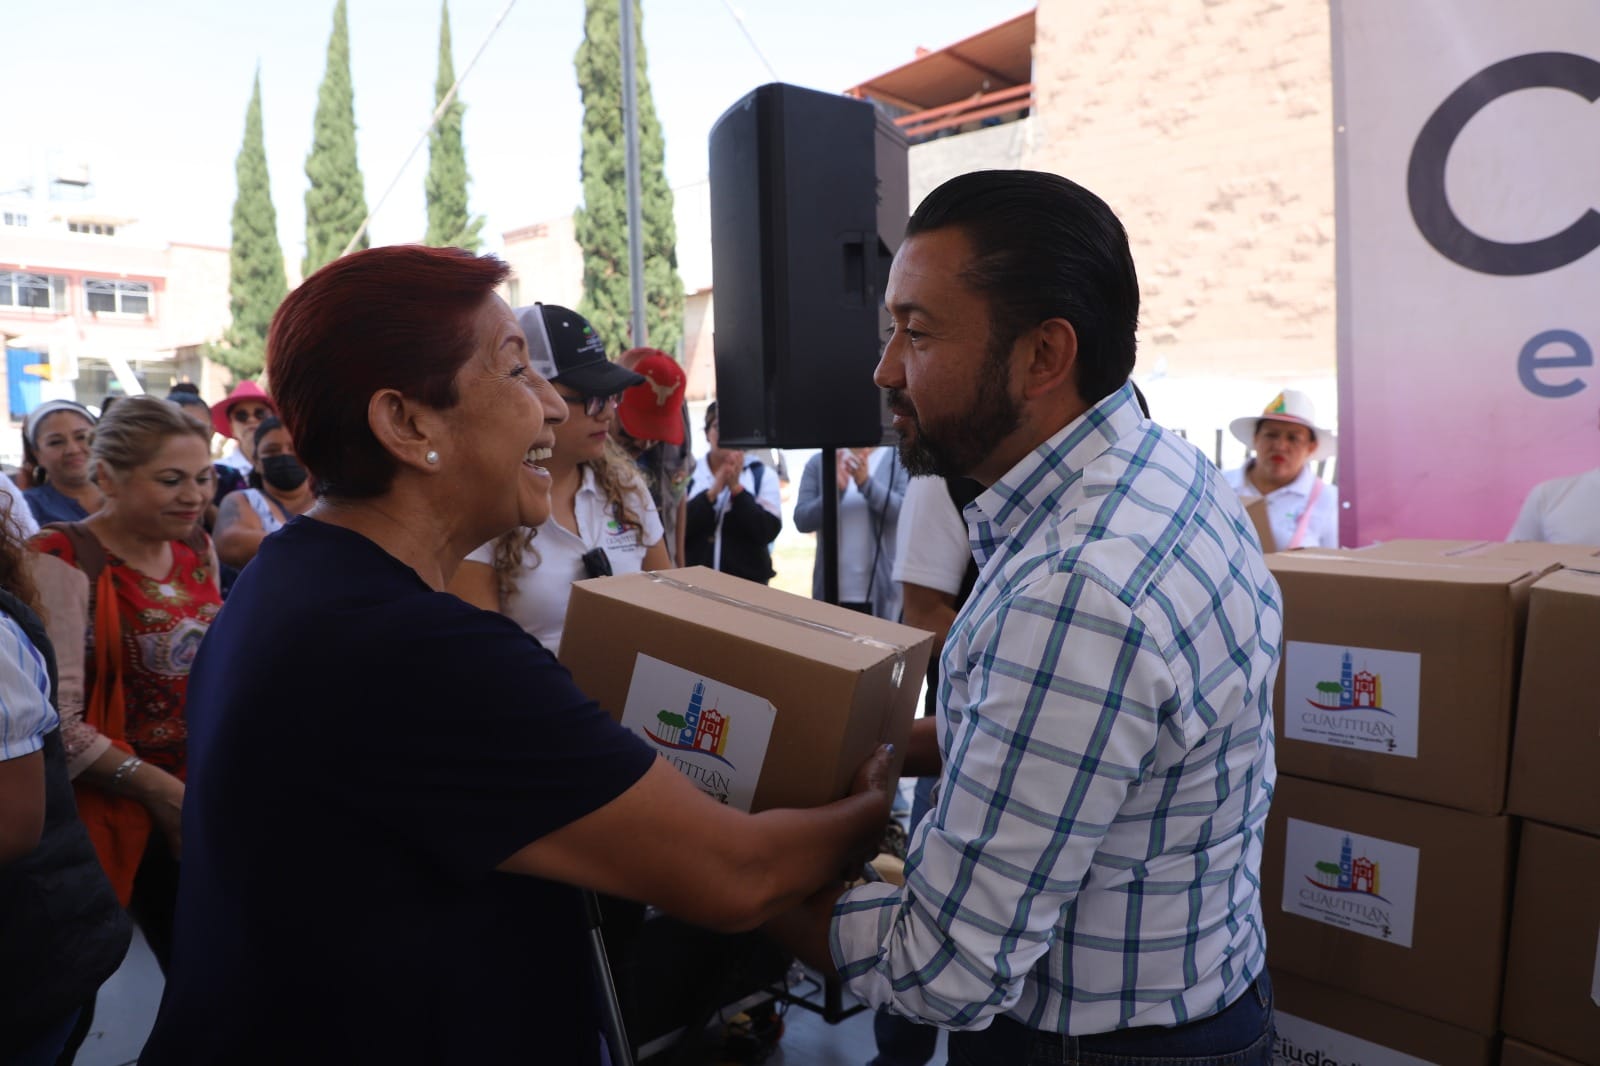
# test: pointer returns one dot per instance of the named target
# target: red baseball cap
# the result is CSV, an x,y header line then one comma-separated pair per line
x,y
654,410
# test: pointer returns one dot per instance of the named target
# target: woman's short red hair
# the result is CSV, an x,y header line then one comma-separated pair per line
x,y
385,318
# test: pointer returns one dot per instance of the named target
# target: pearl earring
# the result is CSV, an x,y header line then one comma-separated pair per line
x,y
432,457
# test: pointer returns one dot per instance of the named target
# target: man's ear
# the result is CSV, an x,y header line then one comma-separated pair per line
x,y
1051,360
407,430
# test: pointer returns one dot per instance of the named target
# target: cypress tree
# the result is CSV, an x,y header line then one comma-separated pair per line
x,y
256,283
601,224
336,202
449,223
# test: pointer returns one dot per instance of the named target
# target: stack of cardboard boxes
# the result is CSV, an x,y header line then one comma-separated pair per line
x,y
1552,995
1391,849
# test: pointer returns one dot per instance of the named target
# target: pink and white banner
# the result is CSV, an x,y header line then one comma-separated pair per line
x,y
1468,148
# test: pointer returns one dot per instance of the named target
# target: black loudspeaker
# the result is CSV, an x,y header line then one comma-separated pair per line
x,y
808,204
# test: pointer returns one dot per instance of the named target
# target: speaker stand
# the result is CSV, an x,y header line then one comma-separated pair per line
x,y
828,542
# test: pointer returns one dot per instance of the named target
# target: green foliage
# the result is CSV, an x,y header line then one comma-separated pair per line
x,y
1331,868
601,224
667,718
336,202
256,282
449,223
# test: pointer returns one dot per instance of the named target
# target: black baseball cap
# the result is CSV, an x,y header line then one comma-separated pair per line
x,y
565,348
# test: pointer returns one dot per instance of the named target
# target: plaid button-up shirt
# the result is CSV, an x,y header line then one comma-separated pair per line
x,y
1105,718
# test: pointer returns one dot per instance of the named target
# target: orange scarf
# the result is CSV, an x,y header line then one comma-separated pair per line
x,y
118,826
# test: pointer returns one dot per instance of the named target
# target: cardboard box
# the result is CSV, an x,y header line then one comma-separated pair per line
x,y
1399,677
1516,1053
1257,511
1486,552
1318,1024
1552,994
1555,759
1405,903
764,699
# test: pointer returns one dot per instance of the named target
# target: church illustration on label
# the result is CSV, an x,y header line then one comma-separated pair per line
x,y
700,729
1353,691
1348,875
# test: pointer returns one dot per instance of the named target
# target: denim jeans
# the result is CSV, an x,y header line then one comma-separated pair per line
x,y
1241,1035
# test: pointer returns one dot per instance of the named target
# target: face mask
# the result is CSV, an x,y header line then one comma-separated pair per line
x,y
283,472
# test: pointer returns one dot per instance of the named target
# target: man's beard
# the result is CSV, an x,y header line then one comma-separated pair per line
x,y
956,447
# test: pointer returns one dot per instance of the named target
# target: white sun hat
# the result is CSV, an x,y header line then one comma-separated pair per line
x,y
1290,405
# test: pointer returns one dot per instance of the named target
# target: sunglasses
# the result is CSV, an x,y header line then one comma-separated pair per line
x,y
249,414
593,406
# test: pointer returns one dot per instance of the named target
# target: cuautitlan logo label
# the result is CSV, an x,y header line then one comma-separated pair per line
x,y
1348,874
714,732
1353,691
699,729
1349,708
1348,892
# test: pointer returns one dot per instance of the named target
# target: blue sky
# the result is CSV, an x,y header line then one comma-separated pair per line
x,y
152,95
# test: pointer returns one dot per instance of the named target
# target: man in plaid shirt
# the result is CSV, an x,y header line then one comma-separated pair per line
x,y
1086,887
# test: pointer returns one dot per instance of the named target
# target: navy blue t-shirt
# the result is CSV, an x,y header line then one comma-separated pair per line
x,y
363,752
50,504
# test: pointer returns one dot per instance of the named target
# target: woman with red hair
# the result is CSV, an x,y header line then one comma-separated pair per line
x,y
399,886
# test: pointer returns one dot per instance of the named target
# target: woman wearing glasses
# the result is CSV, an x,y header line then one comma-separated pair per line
x,y
602,519
238,416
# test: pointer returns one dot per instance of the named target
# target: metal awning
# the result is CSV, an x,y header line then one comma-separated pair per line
x,y
989,62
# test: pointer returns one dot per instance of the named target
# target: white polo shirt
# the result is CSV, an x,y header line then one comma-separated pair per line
x,y
1286,505
1564,510
932,548
555,560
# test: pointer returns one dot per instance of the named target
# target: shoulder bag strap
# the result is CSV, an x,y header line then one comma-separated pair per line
x,y
1305,516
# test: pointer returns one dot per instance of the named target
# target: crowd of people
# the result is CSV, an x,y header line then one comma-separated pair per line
x,y
386,863
551,463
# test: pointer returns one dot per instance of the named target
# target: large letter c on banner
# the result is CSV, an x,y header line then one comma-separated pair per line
x,y
1425,179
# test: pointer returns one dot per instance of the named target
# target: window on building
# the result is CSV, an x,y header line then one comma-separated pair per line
x,y
104,229
14,218
117,297
32,290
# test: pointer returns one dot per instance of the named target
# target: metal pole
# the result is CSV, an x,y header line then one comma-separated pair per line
x,y
828,542
630,133
616,1030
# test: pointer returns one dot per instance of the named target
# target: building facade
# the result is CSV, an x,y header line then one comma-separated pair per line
x,y
92,306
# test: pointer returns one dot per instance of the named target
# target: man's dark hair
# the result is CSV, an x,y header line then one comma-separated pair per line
x,y
1045,247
